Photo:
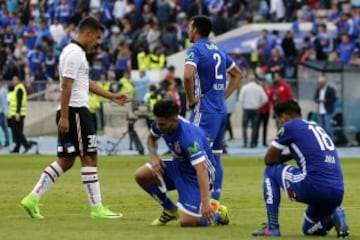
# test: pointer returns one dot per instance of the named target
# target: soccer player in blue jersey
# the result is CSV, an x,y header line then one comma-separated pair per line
x,y
205,73
190,172
316,181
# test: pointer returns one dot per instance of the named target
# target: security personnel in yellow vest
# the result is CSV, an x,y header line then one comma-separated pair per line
x,y
94,106
151,97
17,114
157,59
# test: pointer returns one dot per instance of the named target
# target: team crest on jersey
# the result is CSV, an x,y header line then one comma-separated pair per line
x,y
177,148
194,148
281,131
190,55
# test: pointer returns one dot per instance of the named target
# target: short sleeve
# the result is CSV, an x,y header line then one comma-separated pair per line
x,y
71,64
192,56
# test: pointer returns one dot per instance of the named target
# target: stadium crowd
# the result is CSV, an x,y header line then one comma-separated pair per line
x,y
141,33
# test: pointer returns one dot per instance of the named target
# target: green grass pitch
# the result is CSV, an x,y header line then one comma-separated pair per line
x,y
66,209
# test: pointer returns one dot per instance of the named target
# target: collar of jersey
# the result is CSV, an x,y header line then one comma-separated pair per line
x,y
79,44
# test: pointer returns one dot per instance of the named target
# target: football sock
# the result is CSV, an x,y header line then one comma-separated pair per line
x,y
215,194
47,179
160,197
272,200
91,185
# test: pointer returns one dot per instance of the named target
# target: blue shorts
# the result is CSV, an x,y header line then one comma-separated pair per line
x,y
214,125
189,200
321,199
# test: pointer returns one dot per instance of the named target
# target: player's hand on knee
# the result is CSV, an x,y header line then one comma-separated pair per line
x,y
157,166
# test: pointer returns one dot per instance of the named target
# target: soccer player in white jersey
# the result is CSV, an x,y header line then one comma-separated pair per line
x,y
76,131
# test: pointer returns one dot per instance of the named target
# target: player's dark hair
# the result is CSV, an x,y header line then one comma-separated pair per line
x,y
166,109
90,23
289,107
202,24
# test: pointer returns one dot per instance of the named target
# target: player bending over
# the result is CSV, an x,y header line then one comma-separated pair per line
x,y
190,172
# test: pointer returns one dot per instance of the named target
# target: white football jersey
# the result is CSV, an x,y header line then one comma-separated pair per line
x,y
73,64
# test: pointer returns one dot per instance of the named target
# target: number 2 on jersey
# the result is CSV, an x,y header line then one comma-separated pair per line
x,y
322,138
217,58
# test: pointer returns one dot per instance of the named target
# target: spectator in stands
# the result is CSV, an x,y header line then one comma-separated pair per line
x,y
215,7
123,59
115,39
30,34
240,60
276,63
198,7
346,48
267,41
169,39
63,12
316,42
57,31
164,11
290,53
8,37
277,10
153,37
325,38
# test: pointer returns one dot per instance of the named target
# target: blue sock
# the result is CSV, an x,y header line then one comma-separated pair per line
x,y
215,194
160,197
272,200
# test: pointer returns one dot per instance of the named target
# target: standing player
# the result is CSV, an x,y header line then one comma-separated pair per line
x,y
76,132
191,170
206,68
317,181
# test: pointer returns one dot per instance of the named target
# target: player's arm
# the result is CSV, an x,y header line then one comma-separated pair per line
x,y
115,97
189,85
234,81
66,86
274,156
156,162
203,182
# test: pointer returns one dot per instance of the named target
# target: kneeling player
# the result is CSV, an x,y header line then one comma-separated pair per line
x,y
190,172
317,181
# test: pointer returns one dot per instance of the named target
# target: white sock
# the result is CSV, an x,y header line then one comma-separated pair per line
x,y
47,179
91,185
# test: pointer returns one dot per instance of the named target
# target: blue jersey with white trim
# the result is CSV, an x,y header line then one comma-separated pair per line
x,y
189,146
313,150
211,65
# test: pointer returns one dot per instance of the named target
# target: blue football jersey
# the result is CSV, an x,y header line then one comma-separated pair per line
x,y
313,150
211,65
188,146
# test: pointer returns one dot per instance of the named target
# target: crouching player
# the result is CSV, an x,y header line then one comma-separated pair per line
x,y
190,172
317,181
